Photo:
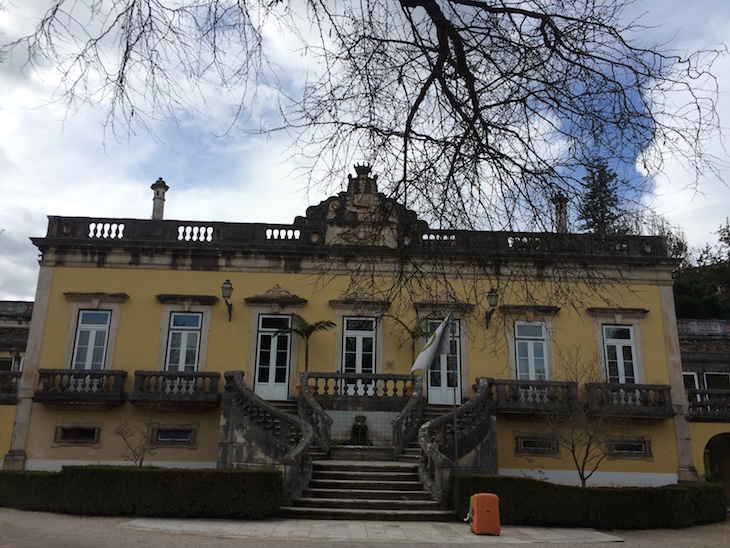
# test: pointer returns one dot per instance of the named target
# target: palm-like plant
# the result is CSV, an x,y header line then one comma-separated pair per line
x,y
420,329
305,330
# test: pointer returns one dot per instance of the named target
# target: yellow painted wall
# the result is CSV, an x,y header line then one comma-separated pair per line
x,y
111,447
139,334
702,433
7,417
664,458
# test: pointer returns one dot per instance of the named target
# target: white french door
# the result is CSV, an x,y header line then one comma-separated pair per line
x,y
92,334
273,350
444,384
358,352
620,351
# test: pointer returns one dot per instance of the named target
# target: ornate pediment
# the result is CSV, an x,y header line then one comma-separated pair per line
x,y
362,216
443,303
276,296
360,299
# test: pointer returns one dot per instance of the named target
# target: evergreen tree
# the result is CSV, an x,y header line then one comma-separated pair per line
x,y
703,291
599,206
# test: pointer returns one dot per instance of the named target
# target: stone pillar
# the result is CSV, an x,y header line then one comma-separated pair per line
x,y
15,458
686,470
158,202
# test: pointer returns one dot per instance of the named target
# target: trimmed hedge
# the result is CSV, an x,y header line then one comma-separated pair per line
x,y
525,501
154,492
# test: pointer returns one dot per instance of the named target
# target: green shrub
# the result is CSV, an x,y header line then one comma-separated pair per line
x,y
132,491
531,502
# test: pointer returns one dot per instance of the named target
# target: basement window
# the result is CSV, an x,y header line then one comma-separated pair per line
x,y
637,448
536,445
77,435
163,436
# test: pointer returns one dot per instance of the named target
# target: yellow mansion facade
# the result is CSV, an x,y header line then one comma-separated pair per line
x,y
187,333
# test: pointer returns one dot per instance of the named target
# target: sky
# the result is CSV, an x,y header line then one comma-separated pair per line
x,y
56,162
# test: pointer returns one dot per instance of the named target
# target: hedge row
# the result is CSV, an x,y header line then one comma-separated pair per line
x,y
154,492
525,501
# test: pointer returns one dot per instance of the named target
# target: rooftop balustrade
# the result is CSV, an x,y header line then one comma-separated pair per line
x,y
306,232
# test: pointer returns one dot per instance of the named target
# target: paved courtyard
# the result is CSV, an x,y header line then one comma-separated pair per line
x,y
32,529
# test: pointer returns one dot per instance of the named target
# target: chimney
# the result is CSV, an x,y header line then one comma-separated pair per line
x,y
561,213
158,202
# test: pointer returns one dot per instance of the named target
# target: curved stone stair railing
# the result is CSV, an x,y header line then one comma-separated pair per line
x,y
255,434
473,448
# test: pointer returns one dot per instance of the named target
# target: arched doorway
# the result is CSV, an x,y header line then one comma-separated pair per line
x,y
717,460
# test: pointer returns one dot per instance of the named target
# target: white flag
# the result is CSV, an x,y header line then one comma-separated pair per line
x,y
437,344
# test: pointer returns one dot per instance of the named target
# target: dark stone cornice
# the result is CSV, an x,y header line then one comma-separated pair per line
x,y
627,312
99,296
173,298
527,308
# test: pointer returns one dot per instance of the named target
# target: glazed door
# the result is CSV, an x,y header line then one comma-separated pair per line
x,y
273,352
444,385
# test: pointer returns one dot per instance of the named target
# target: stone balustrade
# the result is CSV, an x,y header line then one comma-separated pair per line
x,y
377,392
708,405
311,411
194,389
638,401
81,387
464,439
534,398
407,422
257,434
308,232
9,387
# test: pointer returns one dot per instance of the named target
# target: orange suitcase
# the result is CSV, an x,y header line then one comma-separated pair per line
x,y
484,514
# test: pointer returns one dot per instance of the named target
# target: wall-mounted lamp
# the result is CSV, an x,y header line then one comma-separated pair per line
x,y
227,291
492,300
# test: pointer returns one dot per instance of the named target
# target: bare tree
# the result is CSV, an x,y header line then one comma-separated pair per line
x,y
475,111
137,434
585,433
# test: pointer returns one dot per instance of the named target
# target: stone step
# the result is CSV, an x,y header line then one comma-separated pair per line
x,y
366,514
366,504
364,484
364,466
354,475
390,494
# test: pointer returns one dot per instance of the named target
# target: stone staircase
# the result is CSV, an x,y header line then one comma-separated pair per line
x,y
366,490
363,489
